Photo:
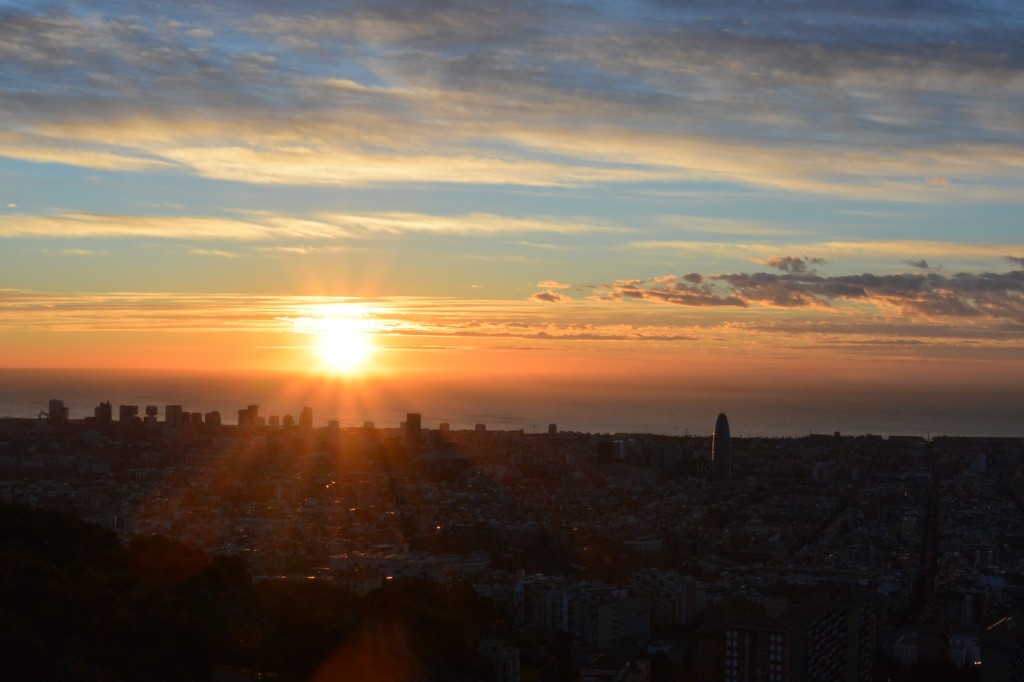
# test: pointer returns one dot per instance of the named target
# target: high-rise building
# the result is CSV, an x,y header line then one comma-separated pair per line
x,y
104,414
306,418
58,414
413,426
721,459
127,413
172,416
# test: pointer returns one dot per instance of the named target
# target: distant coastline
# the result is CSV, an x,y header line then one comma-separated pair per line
x,y
594,407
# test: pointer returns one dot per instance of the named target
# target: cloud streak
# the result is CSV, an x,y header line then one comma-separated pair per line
x,y
264,226
711,323
840,249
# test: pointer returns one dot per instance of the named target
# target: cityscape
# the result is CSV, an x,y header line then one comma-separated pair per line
x,y
531,341
622,556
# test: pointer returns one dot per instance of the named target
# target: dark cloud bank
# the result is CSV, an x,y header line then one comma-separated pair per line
x,y
929,294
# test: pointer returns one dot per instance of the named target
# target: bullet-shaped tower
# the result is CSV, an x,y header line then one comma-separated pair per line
x,y
721,459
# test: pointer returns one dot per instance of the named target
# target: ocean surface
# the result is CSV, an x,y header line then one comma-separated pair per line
x,y
594,406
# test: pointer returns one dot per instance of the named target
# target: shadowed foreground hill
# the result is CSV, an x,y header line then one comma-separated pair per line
x,y
76,605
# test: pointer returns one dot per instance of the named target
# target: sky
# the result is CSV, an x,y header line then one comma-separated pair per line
x,y
785,193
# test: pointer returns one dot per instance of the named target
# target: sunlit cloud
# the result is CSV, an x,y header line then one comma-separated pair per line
x,y
900,249
723,226
303,250
548,296
82,252
543,246
215,253
930,318
264,226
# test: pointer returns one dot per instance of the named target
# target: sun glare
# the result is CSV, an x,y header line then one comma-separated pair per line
x,y
344,344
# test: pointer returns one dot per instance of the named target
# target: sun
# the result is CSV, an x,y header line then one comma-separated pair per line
x,y
344,344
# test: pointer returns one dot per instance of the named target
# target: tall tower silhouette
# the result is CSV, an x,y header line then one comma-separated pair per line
x,y
413,426
721,459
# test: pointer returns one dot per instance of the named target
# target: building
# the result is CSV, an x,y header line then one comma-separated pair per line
x,y
822,636
58,414
674,599
413,432
306,419
127,413
721,458
503,660
172,416
249,417
104,414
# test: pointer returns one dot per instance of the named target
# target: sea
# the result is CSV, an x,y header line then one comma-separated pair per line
x,y
592,406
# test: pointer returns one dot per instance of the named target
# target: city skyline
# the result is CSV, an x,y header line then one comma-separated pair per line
x,y
742,196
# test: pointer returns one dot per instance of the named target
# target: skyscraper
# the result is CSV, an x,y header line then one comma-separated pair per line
x,y
413,421
104,414
172,416
721,459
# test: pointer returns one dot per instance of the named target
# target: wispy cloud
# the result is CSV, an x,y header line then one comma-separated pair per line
x,y
215,253
901,248
264,226
846,101
82,252
722,226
